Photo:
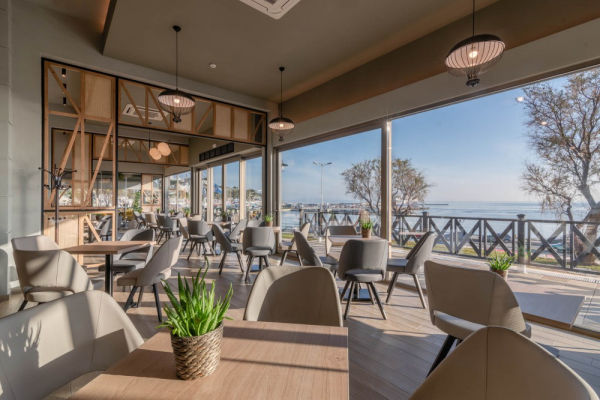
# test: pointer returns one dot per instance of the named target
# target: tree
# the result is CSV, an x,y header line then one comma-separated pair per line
x,y
409,185
564,131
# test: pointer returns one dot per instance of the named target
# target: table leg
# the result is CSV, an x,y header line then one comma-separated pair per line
x,y
108,282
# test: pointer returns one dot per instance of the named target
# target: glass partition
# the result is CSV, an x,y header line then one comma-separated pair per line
x,y
232,190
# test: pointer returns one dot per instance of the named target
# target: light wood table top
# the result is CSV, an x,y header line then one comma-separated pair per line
x,y
259,360
340,240
107,248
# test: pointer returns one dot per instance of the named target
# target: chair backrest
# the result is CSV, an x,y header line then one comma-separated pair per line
x,y
106,226
297,295
259,237
371,254
183,227
163,259
253,223
306,253
33,243
304,231
47,268
129,234
221,239
334,230
45,347
474,295
422,253
498,363
200,228
164,221
236,232
150,218
196,218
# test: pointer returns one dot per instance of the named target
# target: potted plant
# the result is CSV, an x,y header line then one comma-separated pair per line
x,y
500,264
268,218
195,320
186,211
366,227
224,216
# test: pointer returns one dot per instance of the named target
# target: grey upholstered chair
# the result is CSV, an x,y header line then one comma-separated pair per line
x,y
234,235
363,261
498,363
105,228
200,233
464,300
308,256
46,347
415,259
157,269
227,247
141,222
46,272
254,223
183,227
296,295
150,218
258,242
290,246
345,230
167,227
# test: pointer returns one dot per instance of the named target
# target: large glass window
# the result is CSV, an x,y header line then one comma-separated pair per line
x,y
332,182
254,184
179,192
204,189
217,191
130,191
232,189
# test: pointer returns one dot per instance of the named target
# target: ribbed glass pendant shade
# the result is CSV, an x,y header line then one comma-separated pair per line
x,y
164,148
474,56
177,103
281,126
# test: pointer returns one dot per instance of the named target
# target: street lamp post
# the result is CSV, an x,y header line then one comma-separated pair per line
x,y
322,165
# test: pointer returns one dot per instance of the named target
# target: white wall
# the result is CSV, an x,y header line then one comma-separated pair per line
x,y
36,33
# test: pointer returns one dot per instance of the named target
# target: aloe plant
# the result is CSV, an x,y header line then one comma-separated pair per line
x,y
501,262
196,312
268,218
366,224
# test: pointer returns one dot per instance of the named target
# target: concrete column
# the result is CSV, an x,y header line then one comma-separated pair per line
x,y
242,186
386,181
6,144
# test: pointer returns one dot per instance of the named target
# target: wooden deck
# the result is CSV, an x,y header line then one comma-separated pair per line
x,y
388,359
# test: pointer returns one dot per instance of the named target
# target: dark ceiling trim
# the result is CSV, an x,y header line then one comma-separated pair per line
x,y
109,16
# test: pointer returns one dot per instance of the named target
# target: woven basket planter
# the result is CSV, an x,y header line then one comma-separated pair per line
x,y
502,273
197,356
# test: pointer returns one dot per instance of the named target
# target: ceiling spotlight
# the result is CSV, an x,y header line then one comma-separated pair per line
x,y
164,148
64,72
64,101
520,99
212,65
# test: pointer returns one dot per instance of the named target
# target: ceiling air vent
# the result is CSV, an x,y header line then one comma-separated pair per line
x,y
153,114
273,8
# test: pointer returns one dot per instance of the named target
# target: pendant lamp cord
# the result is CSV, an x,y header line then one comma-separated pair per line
x,y
281,95
473,17
176,60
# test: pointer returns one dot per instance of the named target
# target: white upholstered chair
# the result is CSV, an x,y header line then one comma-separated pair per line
x,y
296,295
45,347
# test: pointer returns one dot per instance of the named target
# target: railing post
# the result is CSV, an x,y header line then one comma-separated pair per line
x,y
320,219
521,239
301,218
425,224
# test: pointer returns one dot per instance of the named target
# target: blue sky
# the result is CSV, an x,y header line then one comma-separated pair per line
x,y
470,151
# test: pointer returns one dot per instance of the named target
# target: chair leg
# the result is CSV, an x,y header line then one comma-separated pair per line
x,y
352,284
391,287
185,245
204,251
23,304
374,290
224,253
285,252
418,285
130,299
158,305
267,264
194,244
260,263
443,352
370,295
248,268
140,297
239,257
344,291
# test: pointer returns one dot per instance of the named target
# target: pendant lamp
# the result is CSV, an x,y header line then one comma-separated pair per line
x,y
153,152
281,126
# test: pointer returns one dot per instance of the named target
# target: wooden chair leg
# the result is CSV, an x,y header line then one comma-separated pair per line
x,y
418,285
23,304
391,287
443,352
374,290
157,300
352,284
130,299
285,253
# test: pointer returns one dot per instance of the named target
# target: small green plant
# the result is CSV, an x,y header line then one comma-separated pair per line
x,y
196,312
224,214
137,202
501,262
366,225
186,210
268,218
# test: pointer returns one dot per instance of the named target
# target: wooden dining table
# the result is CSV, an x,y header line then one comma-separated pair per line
x,y
108,249
259,360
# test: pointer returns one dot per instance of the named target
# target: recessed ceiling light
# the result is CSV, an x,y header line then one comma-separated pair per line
x,y
212,65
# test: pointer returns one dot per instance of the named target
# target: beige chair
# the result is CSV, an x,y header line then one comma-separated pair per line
x,y
127,262
295,295
258,243
498,363
308,256
157,269
150,220
200,233
464,300
415,259
45,347
334,230
47,273
183,227
227,247
290,246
